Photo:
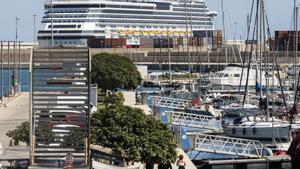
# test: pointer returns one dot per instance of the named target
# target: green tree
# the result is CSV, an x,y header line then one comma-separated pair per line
x,y
20,133
74,139
46,136
115,99
111,71
133,135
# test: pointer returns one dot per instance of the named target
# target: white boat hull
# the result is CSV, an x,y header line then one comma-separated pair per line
x,y
261,133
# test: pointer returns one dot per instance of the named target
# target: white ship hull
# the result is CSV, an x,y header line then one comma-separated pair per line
x,y
81,22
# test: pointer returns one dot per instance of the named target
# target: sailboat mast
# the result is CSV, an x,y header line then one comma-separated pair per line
x,y
206,34
169,56
257,51
295,46
259,42
187,43
266,57
223,21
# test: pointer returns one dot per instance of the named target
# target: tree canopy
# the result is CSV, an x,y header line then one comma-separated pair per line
x,y
74,139
114,99
20,133
46,136
111,71
133,135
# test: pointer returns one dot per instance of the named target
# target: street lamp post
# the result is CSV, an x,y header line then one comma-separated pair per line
x,y
17,20
20,72
34,30
8,55
1,54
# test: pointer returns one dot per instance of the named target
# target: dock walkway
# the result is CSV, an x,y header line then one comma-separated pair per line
x,y
15,112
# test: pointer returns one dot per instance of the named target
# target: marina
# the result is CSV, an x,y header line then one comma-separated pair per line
x,y
151,84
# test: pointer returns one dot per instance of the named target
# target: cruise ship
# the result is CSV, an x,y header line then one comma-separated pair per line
x,y
95,22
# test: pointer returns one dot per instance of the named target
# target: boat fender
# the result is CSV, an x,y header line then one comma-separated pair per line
x,y
267,152
280,153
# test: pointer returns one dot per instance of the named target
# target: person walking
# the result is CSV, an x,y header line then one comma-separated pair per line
x,y
180,162
294,150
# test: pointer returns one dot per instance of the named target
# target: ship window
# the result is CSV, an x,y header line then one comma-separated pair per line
x,y
219,74
236,75
162,6
76,6
225,75
62,26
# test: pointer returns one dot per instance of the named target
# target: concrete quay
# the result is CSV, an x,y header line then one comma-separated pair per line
x,y
15,112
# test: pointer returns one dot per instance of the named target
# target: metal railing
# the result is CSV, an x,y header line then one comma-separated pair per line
x,y
169,102
228,146
194,120
10,69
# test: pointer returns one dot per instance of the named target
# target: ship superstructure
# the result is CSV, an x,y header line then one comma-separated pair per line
x,y
78,22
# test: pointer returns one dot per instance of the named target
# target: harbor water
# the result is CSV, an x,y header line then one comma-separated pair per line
x,y
6,79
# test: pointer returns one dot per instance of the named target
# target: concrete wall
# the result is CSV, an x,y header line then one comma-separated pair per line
x,y
157,56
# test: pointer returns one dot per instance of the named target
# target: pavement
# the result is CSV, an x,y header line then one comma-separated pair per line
x,y
186,159
14,113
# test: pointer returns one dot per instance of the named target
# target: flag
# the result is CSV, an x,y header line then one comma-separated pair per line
x,y
196,101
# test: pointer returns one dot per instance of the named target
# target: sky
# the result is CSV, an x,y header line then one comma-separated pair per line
x,y
279,13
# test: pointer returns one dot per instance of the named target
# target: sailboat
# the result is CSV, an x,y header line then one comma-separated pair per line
x,y
259,127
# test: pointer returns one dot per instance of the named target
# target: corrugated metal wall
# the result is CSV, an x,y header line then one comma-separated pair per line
x,y
60,85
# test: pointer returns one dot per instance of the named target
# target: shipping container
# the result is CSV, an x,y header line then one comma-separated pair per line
x,y
163,43
147,42
285,40
96,43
